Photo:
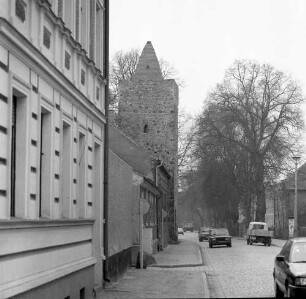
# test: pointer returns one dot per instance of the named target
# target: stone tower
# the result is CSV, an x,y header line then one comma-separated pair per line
x,y
148,113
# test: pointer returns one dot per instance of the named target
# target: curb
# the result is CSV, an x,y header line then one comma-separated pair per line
x,y
205,281
176,266
181,265
204,277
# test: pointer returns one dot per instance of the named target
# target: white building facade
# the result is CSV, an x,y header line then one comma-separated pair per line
x,y
52,130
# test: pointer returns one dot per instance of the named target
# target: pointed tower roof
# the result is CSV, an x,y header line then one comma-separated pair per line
x,y
148,66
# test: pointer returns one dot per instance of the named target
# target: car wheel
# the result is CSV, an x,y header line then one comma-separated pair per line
x,y
278,292
230,244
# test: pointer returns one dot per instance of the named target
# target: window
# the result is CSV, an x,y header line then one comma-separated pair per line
x,y
47,38
60,9
286,249
81,176
13,155
66,169
67,60
82,293
96,172
92,30
82,77
18,165
77,20
99,37
150,218
98,94
69,10
45,163
20,7
84,24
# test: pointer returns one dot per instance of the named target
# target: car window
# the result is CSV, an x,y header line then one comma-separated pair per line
x,y
286,250
258,226
220,232
298,252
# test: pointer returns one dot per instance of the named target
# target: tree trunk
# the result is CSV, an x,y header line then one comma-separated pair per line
x,y
260,192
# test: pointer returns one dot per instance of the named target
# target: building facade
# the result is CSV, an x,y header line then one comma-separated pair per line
x,y
148,113
280,205
52,124
130,182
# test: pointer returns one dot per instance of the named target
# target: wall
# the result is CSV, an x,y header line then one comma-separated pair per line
x,y
51,200
70,285
120,207
35,254
281,207
148,113
148,240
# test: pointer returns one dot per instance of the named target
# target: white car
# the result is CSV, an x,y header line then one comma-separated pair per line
x,y
180,231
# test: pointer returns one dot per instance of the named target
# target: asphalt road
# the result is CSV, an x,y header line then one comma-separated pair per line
x,y
243,270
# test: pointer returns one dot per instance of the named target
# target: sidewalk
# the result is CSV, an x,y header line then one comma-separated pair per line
x,y
184,254
278,242
179,273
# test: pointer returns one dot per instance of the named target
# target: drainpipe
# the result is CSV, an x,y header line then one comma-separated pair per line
x,y
106,142
162,218
160,164
140,233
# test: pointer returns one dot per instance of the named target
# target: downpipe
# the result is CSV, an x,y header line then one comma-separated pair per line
x,y
106,144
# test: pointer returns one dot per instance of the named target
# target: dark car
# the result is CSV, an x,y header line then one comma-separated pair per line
x,y
219,236
290,270
203,234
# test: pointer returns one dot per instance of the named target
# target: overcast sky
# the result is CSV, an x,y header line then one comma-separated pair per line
x,y
202,38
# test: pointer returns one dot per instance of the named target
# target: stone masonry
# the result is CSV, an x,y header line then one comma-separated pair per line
x,y
148,113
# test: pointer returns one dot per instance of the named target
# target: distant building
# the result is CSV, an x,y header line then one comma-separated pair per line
x,y
148,113
130,180
280,204
52,124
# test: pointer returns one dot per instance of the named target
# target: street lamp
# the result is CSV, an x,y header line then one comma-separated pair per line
x,y
296,232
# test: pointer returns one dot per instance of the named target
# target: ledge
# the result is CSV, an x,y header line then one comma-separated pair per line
x,y
36,280
16,223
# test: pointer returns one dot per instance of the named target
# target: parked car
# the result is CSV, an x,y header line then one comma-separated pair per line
x,y
180,231
219,236
203,234
258,233
290,270
188,226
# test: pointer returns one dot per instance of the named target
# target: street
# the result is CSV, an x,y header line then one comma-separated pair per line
x,y
240,271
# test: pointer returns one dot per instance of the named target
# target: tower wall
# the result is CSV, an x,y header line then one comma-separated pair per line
x,y
148,113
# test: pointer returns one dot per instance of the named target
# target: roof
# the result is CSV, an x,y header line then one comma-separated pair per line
x,y
129,151
148,67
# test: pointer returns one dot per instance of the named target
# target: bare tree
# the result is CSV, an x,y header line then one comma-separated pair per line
x,y
255,110
122,68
